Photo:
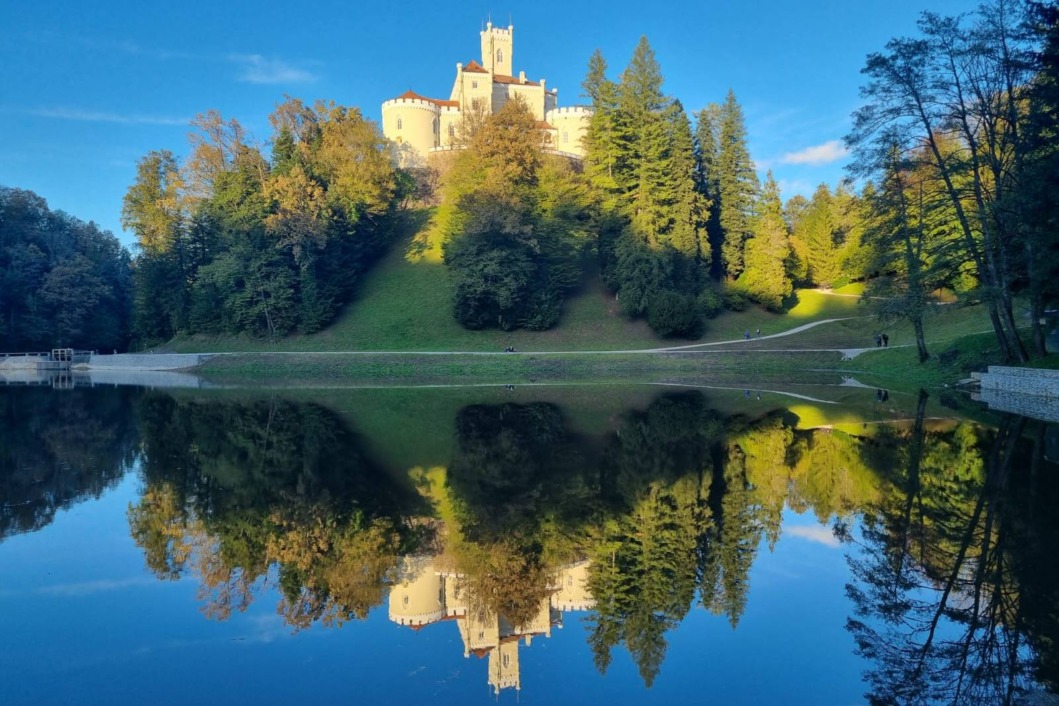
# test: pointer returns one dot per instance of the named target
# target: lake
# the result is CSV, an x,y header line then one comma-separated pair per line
x,y
539,545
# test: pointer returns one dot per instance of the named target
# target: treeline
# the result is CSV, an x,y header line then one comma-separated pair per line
x,y
958,135
63,282
232,241
672,214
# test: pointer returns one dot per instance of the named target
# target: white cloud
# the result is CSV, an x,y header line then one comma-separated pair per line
x,y
100,116
818,534
817,155
86,588
259,69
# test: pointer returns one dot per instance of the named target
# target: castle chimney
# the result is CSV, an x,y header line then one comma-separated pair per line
x,y
521,76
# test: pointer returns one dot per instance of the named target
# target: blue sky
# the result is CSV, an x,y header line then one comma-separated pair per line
x,y
88,88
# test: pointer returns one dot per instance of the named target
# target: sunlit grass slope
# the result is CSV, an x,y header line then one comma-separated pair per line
x,y
404,303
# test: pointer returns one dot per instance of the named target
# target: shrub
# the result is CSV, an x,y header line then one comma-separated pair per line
x,y
735,299
672,314
710,302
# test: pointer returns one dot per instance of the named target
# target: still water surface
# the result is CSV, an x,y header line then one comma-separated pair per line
x,y
544,545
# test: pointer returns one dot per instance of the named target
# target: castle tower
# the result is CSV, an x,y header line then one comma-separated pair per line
x,y
498,48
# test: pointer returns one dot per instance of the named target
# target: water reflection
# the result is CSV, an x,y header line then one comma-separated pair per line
x,y
955,597
237,489
427,592
529,522
58,449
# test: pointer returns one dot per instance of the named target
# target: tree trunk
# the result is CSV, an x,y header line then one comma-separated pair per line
x,y
998,329
921,342
1018,347
1040,343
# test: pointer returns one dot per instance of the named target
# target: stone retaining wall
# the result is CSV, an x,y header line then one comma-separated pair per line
x,y
1025,391
148,361
1024,381
1033,406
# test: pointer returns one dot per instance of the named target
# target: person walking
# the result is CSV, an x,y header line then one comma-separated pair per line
x,y
885,341
746,335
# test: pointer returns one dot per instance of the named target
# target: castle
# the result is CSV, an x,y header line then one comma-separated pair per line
x,y
420,126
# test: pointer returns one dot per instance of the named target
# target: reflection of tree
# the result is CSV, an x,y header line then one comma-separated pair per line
x,y
646,552
236,488
57,449
521,484
937,594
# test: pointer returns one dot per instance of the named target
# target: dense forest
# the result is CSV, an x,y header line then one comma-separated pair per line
x,y
233,242
955,169
63,282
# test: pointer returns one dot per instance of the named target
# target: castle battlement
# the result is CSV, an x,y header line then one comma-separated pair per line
x,y
579,110
498,30
413,103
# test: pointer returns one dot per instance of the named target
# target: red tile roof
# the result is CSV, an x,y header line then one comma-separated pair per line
x,y
415,96
475,68
542,125
500,78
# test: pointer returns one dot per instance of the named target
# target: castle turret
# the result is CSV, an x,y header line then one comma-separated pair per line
x,y
498,48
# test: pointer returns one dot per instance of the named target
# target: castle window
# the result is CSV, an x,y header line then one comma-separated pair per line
x,y
500,56
452,130
507,660
569,580
405,601
566,136
474,84
400,123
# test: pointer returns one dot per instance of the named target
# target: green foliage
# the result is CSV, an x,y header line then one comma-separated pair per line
x,y
735,298
641,161
231,243
673,314
737,185
63,282
765,278
517,223
710,302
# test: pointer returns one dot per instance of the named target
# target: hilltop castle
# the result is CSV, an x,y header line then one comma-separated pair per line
x,y
421,125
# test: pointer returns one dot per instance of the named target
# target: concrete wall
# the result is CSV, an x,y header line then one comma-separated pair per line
x,y
1024,391
1025,381
148,361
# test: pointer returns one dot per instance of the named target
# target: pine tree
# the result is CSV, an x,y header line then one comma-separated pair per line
x,y
817,232
688,206
765,276
707,138
737,186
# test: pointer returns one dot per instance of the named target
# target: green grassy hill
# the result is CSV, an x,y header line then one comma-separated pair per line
x,y
404,304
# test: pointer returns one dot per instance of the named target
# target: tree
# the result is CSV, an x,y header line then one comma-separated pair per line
x,y
958,91
765,277
62,281
737,186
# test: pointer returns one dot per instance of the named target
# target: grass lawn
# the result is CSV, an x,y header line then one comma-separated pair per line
x,y
404,304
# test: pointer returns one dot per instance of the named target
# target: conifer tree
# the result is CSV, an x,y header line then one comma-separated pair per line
x,y
817,232
602,147
707,138
765,276
737,186
688,206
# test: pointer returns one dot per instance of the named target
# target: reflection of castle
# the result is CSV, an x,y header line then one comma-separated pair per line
x,y
424,595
